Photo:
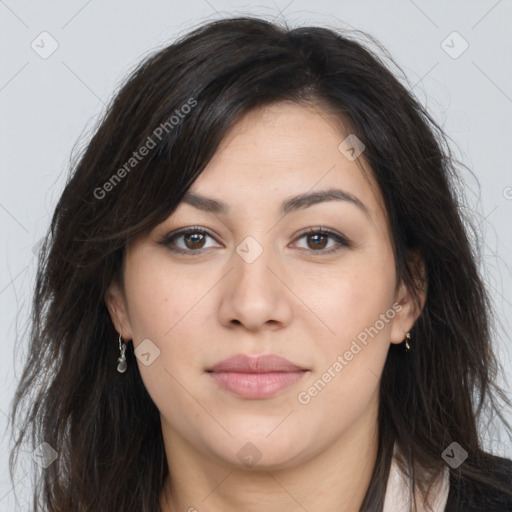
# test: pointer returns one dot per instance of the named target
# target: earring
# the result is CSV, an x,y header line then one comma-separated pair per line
x,y
407,338
121,360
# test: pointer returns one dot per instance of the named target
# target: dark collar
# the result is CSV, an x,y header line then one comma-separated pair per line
x,y
470,495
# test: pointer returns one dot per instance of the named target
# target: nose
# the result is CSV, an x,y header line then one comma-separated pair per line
x,y
256,293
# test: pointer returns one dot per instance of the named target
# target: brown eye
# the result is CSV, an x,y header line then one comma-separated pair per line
x,y
194,240
318,238
187,241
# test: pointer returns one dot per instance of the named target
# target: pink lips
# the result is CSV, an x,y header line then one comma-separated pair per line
x,y
255,377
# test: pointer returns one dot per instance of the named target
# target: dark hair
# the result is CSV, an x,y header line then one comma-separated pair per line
x,y
106,427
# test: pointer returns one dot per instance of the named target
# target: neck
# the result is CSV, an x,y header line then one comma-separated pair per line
x,y
336,478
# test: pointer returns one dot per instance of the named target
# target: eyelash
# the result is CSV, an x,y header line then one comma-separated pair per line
x,y
169,239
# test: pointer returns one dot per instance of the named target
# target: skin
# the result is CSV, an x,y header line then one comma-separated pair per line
x,y
293,300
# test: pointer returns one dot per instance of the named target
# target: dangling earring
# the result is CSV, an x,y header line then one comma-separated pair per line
x,y
407,338
121,360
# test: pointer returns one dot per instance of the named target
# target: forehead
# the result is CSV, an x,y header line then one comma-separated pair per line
x,y
284,150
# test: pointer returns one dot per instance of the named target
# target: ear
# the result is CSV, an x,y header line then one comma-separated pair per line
x,y
409,310
116,305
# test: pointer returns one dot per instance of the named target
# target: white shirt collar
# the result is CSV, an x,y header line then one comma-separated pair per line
x,y
399,496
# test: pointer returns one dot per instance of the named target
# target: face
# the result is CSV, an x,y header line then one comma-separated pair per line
x,y
311,281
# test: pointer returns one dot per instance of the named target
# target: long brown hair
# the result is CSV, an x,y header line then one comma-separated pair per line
x,y
104,425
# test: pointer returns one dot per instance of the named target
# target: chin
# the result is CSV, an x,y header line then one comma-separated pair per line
x,y
264,448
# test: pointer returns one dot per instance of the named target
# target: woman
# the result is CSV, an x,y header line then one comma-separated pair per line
x,y
258,294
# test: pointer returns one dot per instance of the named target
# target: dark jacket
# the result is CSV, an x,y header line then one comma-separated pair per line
x,y
468,495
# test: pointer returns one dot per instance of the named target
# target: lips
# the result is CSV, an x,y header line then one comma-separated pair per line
x,y
255,377
261,364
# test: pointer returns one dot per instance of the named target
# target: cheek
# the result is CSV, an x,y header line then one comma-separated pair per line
x,y
345,381
349,298
159,295
167,307
355,305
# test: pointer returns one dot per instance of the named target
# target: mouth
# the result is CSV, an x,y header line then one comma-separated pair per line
x,y
256,377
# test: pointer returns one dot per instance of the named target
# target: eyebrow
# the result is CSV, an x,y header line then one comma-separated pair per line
x,y
292,204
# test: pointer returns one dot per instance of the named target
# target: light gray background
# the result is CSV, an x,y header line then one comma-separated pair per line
x,y
46,104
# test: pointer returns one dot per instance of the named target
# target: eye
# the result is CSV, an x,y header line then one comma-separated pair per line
x,y
319,237
193,239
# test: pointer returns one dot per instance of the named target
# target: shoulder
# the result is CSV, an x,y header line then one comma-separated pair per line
x,y
470,494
